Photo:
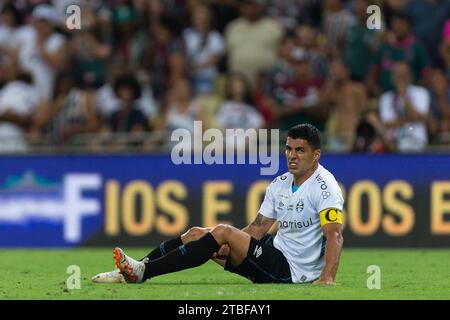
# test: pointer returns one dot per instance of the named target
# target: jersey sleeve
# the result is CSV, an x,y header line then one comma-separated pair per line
x,y
267,208
329,203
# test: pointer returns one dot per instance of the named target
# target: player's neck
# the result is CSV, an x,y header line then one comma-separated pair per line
x,y
298,180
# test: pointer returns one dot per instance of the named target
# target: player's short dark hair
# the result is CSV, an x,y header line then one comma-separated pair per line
x,y
306,132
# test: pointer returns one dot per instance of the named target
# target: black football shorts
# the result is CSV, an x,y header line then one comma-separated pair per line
x,y
264,263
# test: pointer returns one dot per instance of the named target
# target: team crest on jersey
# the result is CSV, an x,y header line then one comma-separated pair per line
x,y
300,206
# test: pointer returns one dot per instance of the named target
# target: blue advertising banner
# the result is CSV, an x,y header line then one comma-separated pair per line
x,y
67,201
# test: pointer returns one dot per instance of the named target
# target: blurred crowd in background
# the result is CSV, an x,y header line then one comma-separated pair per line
x,y
137,69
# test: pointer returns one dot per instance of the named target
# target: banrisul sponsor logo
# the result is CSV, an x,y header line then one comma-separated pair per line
x,y
294,224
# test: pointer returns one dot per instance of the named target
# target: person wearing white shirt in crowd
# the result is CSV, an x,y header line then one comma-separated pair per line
x,y
41,50
10,22
237,112
18,102
107,102
180,111
204,50
404,111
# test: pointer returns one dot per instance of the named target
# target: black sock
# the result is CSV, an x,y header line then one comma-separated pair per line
x,y
164,248
191,255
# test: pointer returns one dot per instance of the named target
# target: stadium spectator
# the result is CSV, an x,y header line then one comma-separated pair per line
x,y
130,42
369,135
72,112
128,118
308,39
252,41
440,103
298,100
361,43
347,101
204,49
127,126
41,50
404,111
445,48
269,84
311,13
281,70
88,53
155,9
19,101
428,18
264,102
11,20
178,10
107,102
286,12
402,46
336,21
392,8
224,11
180,110
238,111
166,59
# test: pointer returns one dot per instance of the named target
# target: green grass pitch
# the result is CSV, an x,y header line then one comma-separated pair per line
x,y
42,274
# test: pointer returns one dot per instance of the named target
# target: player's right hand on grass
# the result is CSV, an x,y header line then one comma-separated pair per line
x,y
324,281
223,252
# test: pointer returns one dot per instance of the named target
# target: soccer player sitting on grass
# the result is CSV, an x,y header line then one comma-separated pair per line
x,y
307,204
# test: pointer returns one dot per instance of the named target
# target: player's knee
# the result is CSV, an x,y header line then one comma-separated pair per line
x,y
222,231
193,234
198,232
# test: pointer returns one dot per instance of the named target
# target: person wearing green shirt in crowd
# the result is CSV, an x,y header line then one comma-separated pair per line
x,y
401,46
428,18
361,44
298,98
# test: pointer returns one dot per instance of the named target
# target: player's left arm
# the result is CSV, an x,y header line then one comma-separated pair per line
x,y
331,222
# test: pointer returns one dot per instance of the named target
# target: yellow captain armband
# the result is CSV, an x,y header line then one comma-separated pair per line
x,y
330,215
